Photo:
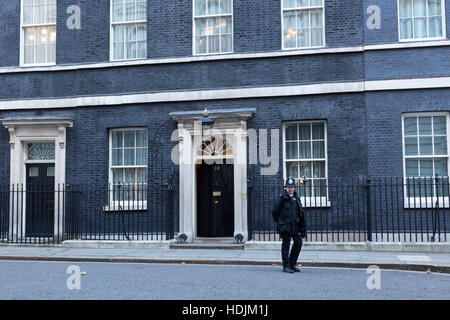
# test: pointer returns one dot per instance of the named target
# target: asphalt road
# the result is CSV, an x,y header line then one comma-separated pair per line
x,y
48,280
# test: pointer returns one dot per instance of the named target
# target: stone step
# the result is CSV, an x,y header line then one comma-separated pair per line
x,y
208,245
213,240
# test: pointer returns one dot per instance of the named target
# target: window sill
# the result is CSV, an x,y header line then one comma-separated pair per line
x,y
125,208
211,54
304,48
426,203
38,65
315,202
125,60
422,39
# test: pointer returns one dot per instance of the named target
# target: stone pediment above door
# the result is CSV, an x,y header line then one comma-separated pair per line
x,y
223,118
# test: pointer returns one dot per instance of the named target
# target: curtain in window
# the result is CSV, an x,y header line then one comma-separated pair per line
x,y
129,165
129,39
303,24
129,10
435,20
304,143
39,44
39,41
425,136
420,19
213,34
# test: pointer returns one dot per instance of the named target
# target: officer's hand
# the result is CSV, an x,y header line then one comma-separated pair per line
x,y
304,235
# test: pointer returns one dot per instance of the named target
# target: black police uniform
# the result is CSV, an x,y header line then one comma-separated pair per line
x,y
288,213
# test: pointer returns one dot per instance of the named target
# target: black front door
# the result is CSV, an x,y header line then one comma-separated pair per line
x,y
215,200
40,200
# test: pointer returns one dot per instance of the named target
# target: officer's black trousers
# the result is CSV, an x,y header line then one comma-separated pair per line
x,y
290,259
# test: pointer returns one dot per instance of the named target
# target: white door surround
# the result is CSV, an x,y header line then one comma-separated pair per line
x,y
28,130
231,126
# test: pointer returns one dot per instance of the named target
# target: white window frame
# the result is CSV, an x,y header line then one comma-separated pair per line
x,y
127,205
444,31
212,16
309,201
429,201
22,38
111,33
297,9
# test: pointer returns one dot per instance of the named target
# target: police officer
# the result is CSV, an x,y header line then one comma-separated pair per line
x,y
289,215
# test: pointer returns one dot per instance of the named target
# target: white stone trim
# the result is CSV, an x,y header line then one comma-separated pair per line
x,y
196,58
405,84
407,45
232,56
234,130
25,131
224,94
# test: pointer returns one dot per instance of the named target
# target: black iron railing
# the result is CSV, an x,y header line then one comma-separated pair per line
x,y
360,209
337,210
49,214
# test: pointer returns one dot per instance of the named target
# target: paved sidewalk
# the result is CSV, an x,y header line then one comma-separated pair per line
x,y
437,262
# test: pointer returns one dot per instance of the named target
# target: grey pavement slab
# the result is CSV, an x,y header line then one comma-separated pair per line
x,y
405,260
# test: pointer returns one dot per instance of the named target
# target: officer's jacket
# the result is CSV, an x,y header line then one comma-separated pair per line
x,y
284,213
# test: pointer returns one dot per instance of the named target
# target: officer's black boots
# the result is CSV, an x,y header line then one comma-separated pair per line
x,y
288,269
295,268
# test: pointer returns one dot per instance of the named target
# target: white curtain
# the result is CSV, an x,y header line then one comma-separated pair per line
x,y
304,150
318,149
420,19
39,42
117,11
200,7
213,7
129,148
225,6
133,184
118,31
292,150
129,10
319,169
141,10
406,19
435,18
416,16
292,169
130,41
303,28
290,29
316,27
213,35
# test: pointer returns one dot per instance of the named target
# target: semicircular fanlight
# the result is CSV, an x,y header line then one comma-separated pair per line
x,y
41,151
214,147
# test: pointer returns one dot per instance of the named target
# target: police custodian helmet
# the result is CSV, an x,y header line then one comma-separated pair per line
x,y
290,182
